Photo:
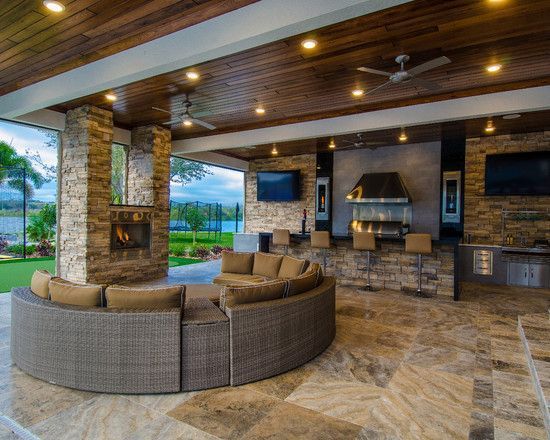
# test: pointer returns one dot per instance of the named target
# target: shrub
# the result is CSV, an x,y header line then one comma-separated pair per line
x,y
177,249
216,249
17,249
42,225
227,248
45,248
3,243
201,252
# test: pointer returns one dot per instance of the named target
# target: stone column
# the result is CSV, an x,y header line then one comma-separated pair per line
x,y
85,192
149,185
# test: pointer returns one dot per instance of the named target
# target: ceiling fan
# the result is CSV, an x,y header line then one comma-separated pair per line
x,y
362,143
411,75
185,117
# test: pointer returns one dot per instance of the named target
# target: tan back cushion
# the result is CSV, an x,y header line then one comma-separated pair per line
x,y
291,267
281,237
237,262
418,243
364,241
303,283
145,298
267,265
320,239
232,295
40,283
318,270
67,292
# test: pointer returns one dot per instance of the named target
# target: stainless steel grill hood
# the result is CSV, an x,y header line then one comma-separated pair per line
x,y
379,188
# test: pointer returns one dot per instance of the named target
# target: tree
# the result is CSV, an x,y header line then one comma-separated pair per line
x,y
118,174
196,221
11,166
185,171
42,225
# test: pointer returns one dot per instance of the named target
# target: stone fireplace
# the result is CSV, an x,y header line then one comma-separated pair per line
x,y
103,243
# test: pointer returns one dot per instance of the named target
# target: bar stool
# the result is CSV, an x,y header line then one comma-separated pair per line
x,y
365,241
321,240
419,244
281,237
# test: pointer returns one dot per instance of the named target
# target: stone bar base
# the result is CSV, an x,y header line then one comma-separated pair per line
x,y
391,267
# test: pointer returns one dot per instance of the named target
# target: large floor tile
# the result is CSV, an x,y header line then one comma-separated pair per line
x,y
449,359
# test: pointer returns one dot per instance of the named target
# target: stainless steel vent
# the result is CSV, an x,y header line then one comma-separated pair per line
x,y
379,188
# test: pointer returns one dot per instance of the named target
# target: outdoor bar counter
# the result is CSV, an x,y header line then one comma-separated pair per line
x,y
391,267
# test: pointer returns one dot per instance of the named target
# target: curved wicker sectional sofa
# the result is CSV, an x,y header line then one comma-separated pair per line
x,y
143,351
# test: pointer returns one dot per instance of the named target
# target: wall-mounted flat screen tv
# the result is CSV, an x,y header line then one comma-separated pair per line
x,y
278,185
524,174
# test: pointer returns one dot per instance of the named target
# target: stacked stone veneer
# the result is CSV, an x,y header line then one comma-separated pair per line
x,y
391,268
265,216
483,214
85,253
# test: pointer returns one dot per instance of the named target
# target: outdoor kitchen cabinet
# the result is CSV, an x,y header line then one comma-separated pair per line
x,y
529,274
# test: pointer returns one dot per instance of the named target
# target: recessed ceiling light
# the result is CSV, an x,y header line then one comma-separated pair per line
x,y
274,150
54,6
493,68
187,123
489,128
191,74
358,92
403,136
110,97
331,144
260,110
512,116
310,43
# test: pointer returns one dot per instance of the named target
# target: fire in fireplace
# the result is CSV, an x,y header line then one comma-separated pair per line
x,y
130,236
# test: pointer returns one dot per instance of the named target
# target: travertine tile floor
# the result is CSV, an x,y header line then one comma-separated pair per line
x,y
400,367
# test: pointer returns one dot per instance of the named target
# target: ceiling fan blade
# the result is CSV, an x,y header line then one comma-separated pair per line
x,y
430,85
436,62
172,122
203,123
161,110
376,72
381,86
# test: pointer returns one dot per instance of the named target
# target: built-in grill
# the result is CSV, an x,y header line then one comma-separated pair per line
x,y
381,204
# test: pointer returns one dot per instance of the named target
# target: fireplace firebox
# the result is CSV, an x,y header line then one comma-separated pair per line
x,y
130,229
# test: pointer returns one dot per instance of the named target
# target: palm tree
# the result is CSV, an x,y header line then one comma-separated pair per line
x,y
11,171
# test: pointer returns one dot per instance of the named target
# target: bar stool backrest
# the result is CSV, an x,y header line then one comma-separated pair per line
x,y
281,237
418,243
320,239
364,241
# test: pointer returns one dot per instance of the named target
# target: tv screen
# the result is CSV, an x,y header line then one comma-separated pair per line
x,y
278,185
522,174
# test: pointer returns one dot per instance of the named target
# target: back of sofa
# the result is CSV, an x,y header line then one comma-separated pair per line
x,y
271,337
96,349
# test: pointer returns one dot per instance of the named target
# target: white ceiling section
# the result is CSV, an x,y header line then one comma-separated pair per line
x,y
251,26
515,101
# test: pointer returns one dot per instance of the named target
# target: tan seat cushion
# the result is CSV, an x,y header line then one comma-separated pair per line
x,y
302,283
291,267
232,295
320,239
281,237
40,283
238,279
145,298
160,297
364,241
67,292
266,265
418,243
237,262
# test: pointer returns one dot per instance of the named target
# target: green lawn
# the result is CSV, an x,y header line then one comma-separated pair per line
x,y
182,242
15,273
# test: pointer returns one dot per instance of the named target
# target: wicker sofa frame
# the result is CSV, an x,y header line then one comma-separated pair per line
x,y
143,352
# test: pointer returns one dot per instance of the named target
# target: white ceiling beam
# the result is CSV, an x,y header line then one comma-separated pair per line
x,y
217,159
493,104
251,26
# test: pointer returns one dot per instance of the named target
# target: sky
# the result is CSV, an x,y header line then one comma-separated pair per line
x,y
223,185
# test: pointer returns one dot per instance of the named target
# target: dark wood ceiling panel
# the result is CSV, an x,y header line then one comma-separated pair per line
x,y
37,44
296,85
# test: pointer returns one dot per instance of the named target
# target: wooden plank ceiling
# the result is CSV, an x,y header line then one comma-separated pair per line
x,y
36,43
294,84
472,128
